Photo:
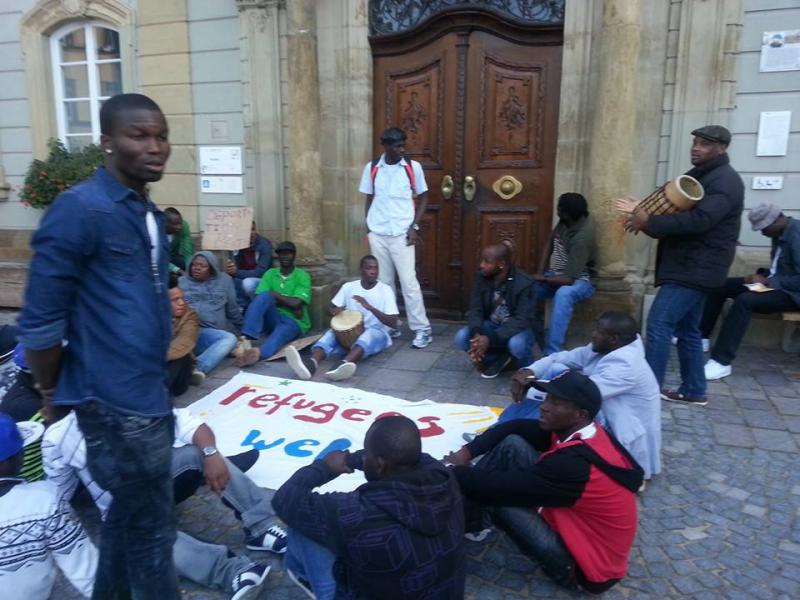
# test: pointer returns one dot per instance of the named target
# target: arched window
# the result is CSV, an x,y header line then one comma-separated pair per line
x,y
87,69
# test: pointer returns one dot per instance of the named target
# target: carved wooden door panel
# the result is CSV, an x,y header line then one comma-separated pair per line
x,y
474,105
511,129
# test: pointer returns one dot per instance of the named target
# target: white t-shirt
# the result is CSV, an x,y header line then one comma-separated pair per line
x,y
380,296
392,210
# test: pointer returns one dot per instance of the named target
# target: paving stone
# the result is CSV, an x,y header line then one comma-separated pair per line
x,y
787,406
774,440
733,435
763,418
413,360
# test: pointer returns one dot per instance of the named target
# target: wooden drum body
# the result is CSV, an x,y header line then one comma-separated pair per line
x,y
677,195
347,326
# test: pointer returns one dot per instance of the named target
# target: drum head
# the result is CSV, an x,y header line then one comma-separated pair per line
x,y
345,320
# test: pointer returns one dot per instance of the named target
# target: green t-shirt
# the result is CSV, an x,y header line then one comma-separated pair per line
x,y
296,285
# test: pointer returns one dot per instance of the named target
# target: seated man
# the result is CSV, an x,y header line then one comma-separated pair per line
x,y
398,536
280,308
211,294
185,329
181,246
373,299
499,316
563,488
37,528
249,265
782,279
194,452
615,362
565,270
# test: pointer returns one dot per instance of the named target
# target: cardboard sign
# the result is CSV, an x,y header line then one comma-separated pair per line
x,y
228,228
292,423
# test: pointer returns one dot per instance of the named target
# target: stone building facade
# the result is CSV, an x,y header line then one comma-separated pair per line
x,y
304,86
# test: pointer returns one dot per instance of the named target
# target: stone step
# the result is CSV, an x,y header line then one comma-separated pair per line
x,y
13,275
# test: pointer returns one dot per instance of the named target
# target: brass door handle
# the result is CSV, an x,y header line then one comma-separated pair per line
x,y
447,187
470,187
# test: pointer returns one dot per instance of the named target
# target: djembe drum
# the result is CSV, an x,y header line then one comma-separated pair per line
x,y
677,195
347,326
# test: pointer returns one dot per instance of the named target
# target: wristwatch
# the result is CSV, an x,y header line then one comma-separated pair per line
x,y
415,227
209,451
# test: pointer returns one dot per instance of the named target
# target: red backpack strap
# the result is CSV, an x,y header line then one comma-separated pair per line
x,y
411,179
373,172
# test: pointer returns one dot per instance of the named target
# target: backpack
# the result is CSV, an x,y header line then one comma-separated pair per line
x,y
373,173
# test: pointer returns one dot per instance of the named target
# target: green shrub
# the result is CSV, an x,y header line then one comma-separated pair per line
x,y
46,179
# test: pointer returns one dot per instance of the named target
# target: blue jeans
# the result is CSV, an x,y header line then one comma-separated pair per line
x,y
519,345
677,310
212,346
262,316
313,562
245,289
130,456
530,407
564,298
372,341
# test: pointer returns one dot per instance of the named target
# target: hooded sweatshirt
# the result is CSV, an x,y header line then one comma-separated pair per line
x,y
395,539
214,300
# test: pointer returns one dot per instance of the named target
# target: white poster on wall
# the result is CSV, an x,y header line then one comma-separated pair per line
x,y
220,160
221,185
780,51
773,133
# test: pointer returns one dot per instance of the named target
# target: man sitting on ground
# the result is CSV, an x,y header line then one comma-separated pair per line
x,y
499,317
615,362
249,265
210,292
37,528
782,279
193,454
398,536
181,246
376,302
280,308
561,486
185,329
566,269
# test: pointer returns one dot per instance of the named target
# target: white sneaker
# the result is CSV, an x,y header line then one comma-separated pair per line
x,y
197,378
422,339
343,371
706,344
248,584
714,370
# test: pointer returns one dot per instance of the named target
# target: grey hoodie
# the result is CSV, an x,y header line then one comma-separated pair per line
x,y
214,300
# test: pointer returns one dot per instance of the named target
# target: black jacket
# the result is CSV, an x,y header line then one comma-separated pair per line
x,y
394,539
696,247
520,299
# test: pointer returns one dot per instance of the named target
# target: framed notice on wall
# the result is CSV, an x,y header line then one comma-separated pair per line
x,y
228,228
220,160
773,133
780,51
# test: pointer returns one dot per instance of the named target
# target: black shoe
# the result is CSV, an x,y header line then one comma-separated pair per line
x,y
674,396
494,369
248,584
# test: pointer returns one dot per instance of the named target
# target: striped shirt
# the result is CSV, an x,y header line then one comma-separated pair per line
x,y
64,455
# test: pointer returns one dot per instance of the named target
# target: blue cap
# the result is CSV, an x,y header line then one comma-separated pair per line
x,y
10,438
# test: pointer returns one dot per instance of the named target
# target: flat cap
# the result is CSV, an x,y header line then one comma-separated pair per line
x,y
763,216
714,133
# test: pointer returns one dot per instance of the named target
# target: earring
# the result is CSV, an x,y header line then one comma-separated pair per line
x,y
108,151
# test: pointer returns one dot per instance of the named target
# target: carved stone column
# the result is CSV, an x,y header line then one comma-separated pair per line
x,y
304,164
613,139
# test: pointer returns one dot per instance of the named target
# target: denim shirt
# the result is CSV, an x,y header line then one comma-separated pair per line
x,y
787,274
92,284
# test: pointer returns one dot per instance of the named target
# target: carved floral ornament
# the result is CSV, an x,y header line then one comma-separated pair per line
x,y
388,17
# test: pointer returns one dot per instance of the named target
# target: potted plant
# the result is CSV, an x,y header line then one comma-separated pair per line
x,y
62,169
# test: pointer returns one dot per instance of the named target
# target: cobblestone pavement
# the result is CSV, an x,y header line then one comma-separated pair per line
x,y
721,521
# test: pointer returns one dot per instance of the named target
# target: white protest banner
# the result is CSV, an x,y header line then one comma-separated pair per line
x,y
293,422
228,228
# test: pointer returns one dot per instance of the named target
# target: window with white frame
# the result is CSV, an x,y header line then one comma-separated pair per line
x,y
87,70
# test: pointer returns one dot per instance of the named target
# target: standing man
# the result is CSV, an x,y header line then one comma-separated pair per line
x,y
782,279
499,316
98,281
695,251
392,183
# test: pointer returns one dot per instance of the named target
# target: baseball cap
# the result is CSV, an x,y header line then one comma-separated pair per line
x,y
763,215
714,133
573,386
286,247
14,436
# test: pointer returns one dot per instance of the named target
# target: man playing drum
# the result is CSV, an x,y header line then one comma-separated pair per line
x,y
376,303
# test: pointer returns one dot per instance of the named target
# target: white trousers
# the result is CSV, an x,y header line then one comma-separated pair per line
x,y
394,256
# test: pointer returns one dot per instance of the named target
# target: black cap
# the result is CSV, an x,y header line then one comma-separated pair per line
x,y
714,133
573,386
286,247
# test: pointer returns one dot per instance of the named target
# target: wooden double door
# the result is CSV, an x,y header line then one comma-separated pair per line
x,y
480,109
